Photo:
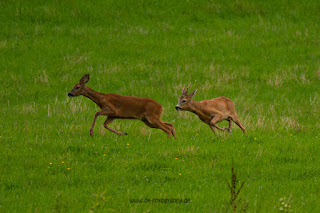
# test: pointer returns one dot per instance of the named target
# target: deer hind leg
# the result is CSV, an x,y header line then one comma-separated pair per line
x,y
108,121
229,128
237,121
154,123
171,127
146,122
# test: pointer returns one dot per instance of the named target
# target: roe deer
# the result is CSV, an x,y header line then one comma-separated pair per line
x,y
123,107
210,111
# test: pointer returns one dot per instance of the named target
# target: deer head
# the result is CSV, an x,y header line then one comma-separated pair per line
x,y
79,87
185,99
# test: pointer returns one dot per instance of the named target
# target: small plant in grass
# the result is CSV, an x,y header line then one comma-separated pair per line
x,y
235,201
99,202
285,204
60,204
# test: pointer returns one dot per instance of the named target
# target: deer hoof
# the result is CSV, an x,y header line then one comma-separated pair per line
x,y
91,132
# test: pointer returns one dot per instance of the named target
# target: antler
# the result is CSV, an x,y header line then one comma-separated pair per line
x,y
188,87
184,92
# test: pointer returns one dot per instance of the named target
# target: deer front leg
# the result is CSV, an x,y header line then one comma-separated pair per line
x,y
217,118
103,112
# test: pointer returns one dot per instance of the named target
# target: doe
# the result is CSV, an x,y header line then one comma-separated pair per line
x,y
123,107
210,111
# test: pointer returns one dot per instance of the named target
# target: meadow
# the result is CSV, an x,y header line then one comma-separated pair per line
x,y
264,55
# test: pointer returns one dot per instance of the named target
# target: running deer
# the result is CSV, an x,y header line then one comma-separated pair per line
x,y
211,111
123,107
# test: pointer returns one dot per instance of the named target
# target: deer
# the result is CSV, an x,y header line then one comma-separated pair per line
x,y
116,106
211,111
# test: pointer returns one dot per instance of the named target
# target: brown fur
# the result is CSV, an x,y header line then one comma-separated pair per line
x,y
123,107
211,111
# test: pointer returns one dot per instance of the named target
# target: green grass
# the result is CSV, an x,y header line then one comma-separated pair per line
x,y
264,55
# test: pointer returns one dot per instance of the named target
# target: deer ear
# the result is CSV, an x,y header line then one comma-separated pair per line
x,y
84,79
193,93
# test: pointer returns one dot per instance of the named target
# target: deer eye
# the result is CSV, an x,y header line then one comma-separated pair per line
x,y
184,101
77,88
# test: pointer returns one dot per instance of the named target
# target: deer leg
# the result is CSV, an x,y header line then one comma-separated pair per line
x,y
107,113
222,129
108,121
171,127
237,121
213,128
217,118
158,124
146,122
229,129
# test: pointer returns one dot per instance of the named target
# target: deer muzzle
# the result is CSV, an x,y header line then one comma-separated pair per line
x,y
70,95
178,107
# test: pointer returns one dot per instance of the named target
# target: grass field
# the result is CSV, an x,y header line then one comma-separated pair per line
x,y
264,55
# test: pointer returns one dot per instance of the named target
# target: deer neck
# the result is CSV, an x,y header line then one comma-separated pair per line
x,y
93,95
195,107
